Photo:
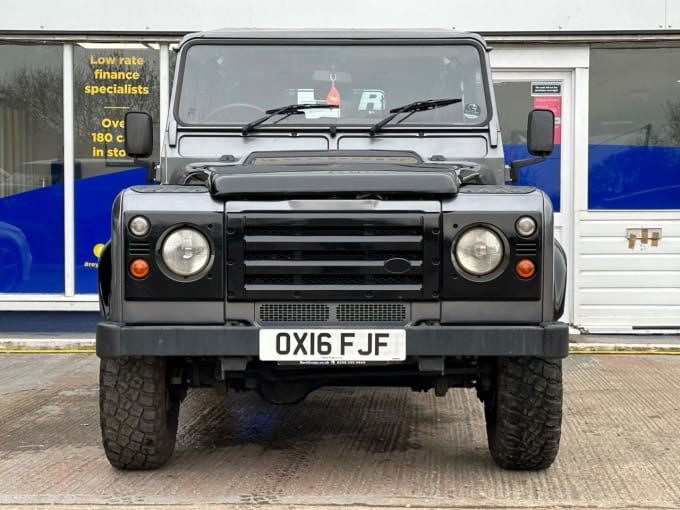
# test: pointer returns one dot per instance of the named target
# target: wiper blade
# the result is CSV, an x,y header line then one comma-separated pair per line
x,y
286,111
411,108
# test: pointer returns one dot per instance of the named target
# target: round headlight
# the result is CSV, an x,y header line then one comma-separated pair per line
x,y
139,226
186,252
525,226
479,251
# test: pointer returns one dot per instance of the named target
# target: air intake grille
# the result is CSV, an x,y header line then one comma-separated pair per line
x,y
526,248
371,312
369,256
294,312
139,248
333,313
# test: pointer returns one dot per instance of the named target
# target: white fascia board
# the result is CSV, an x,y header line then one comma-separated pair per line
x,y
493,16
540,57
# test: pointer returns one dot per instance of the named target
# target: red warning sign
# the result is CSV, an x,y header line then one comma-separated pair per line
x,y
548,96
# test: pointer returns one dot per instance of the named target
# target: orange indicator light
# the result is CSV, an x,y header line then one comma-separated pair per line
x,y
525,268
139,268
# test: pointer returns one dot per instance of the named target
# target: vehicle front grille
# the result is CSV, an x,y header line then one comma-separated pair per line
x,y
358,256
332,313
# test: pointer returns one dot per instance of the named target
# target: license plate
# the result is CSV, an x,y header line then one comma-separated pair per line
x,y
309,345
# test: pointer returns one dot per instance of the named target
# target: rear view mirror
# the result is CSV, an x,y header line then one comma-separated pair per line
x,y
138,134
541,132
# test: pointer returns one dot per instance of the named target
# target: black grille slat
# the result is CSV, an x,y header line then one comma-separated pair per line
x,y
139,248
365,255
526,248
336,267
341,243
333,255
333,231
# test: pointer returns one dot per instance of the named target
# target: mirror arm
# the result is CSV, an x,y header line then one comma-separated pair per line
x,y
149,166
521,163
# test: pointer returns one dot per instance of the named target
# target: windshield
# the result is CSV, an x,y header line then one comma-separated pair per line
x,y
235,84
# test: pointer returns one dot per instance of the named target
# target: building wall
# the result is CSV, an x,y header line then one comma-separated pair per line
x,y
488,16
620,187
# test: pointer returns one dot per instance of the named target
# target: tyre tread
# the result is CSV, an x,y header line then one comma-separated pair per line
x,y
524,423
138,432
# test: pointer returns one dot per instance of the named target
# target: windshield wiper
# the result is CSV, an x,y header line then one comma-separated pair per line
x,y
411,108
286,111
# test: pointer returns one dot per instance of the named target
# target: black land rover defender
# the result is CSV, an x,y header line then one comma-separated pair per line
x,y
332,208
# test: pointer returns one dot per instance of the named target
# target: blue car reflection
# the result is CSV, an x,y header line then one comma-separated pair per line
x,y
15,257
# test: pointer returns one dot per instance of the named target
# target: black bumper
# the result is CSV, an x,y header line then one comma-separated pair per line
x,y
548,340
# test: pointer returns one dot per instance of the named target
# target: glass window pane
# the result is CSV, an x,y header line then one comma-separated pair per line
x,y
109,80
31,169
230,84
634,128
515,99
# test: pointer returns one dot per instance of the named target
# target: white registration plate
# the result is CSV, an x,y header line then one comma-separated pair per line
x,y
348,345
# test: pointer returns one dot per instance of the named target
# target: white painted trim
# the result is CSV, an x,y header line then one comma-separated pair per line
x,y
564,220
629,214
164,99
540,57
491,15
9,298
580,182
49,302
69,157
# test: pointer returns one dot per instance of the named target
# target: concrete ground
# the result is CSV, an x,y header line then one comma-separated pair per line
x,y
343,446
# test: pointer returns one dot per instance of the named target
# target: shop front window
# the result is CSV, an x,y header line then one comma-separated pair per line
x,y
634,128
515,100
109,80
31,169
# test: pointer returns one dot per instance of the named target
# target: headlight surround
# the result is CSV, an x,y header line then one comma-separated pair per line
x,y
479,251
186,252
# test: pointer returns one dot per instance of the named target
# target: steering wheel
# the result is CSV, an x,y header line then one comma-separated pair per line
x,y
247,109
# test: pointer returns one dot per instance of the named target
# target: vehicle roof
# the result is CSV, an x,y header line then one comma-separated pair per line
x,y
345,34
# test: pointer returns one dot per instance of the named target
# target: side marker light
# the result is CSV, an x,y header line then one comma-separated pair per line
x,y
139,268
525,268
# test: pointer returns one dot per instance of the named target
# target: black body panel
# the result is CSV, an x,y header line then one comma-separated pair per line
x,y
333,180
550,340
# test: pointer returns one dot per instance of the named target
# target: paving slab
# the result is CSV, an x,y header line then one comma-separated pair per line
x,y
343,446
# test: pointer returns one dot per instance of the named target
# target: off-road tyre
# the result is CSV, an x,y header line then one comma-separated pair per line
x,y
524,413
137,412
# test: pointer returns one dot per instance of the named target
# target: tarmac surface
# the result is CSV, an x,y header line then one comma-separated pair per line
x,y
343,446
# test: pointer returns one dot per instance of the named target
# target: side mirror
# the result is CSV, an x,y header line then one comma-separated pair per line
x,y
541,132
138,134
540,140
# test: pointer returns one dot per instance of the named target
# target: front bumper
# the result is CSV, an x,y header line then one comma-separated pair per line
x,y
548,340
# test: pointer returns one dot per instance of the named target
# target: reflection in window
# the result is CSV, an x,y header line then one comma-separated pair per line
x,y
109,80
634,128
515,101
223,84
31,169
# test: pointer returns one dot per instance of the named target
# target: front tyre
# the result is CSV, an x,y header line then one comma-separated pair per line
x,y
137,411
524,413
